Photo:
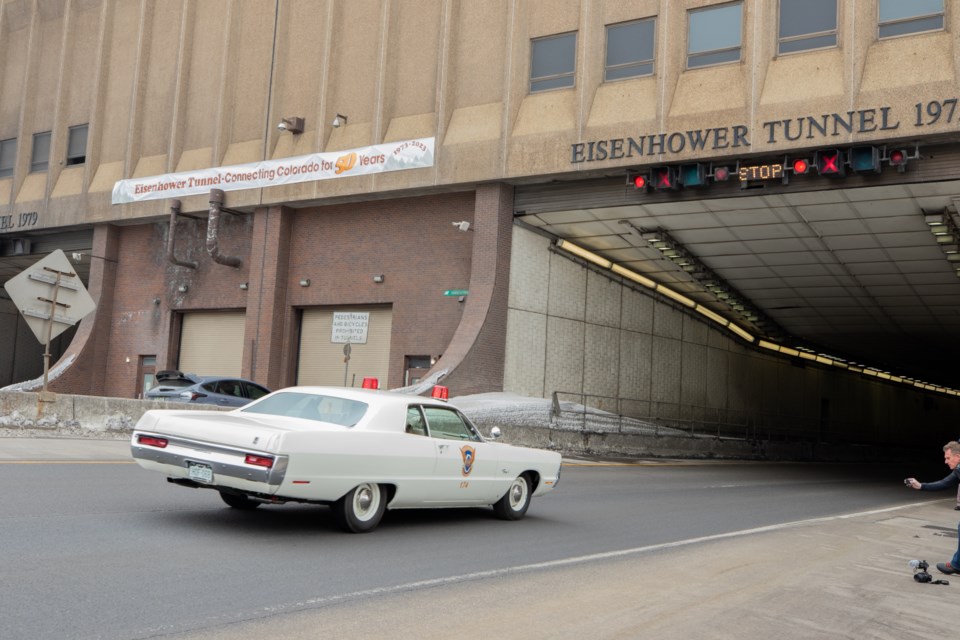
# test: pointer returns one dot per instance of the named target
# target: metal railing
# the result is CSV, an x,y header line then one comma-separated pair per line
x,y
591,412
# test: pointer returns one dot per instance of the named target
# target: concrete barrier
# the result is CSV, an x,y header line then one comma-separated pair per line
x,y
94,416
87,415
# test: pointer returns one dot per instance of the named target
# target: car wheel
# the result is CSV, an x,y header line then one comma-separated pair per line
x,y
239,502
361,509
515,502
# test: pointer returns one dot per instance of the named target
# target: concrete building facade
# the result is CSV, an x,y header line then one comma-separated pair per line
x,y
421,143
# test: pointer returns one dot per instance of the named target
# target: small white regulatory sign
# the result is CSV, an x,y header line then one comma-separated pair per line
x,y
350,327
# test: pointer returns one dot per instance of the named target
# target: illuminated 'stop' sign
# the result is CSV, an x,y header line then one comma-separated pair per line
x,y
772,171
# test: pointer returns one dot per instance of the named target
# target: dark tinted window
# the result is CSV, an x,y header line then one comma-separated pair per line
x,y
77,145
553,61
630,49
901,17
714,35
807,24
8,156
255,391
40,159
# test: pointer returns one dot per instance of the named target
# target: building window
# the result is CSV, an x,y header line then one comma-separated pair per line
x,y
8,156
898,18
807,24
630,49
553,61
714,35
40,160
77,145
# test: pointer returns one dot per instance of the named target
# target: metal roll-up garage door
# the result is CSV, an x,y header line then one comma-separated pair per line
x,y
321,347
211,343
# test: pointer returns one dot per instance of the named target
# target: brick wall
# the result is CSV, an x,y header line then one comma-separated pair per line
x,y
411,242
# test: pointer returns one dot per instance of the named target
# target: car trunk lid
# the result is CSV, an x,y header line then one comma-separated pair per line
x,y
230,428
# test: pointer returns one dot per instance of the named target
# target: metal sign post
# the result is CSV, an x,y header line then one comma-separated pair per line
x,y
346,361
50,320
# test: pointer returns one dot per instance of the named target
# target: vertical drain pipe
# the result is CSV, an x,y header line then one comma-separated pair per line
x,y
213,229
171,254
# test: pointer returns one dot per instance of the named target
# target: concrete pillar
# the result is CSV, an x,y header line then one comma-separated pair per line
x,y
266,320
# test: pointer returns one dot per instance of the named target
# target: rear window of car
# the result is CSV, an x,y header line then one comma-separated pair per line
x,y
173,383
293,404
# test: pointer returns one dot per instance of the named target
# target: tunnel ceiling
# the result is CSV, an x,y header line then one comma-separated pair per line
x,y
856,272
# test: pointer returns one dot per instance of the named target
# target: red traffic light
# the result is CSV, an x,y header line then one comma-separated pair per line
x,y
800,166
721,174
898,158
638,181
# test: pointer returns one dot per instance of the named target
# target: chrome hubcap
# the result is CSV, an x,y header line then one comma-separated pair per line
x,y
517,493
364,499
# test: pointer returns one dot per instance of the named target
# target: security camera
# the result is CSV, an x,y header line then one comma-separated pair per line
x,y
462,226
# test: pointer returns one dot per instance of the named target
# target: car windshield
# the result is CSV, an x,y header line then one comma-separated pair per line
x,y
312,407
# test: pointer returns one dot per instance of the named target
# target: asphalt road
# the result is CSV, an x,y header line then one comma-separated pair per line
x,y
98,548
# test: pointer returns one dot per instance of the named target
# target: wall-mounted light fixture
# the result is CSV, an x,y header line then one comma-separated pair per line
x,y
304,282
338,120
945,232
293,125
244,286
183,288
378,278
672,251
156,301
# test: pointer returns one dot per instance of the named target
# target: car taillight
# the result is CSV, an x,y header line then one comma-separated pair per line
x,y
259,461
190,395
151,441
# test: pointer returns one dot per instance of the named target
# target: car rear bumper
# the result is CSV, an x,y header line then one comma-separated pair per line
x,y
228,463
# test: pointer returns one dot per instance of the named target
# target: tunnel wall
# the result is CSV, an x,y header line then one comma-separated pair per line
x,y
593,338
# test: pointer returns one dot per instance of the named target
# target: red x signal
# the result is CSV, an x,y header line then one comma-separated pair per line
x,y
829,162
664,178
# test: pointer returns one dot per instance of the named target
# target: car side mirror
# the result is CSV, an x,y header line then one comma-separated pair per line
x,y
495,433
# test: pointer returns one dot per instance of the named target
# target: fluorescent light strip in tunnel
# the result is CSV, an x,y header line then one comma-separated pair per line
x,y
801,353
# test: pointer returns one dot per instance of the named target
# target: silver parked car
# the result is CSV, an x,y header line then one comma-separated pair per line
x,y
217,390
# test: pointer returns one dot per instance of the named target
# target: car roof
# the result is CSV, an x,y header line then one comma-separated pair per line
x,y
172,374
372,397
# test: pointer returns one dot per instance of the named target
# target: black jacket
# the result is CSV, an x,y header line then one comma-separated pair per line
x,y
952,480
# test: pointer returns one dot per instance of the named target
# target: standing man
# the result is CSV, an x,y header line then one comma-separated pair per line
x,y
951,457
957,508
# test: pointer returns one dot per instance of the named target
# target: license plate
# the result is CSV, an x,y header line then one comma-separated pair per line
x,y
200,472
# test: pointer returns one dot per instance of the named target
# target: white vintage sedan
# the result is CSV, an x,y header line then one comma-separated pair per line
x,y
358,451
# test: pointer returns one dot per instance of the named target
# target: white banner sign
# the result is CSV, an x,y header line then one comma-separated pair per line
x,y
380,158
350,327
